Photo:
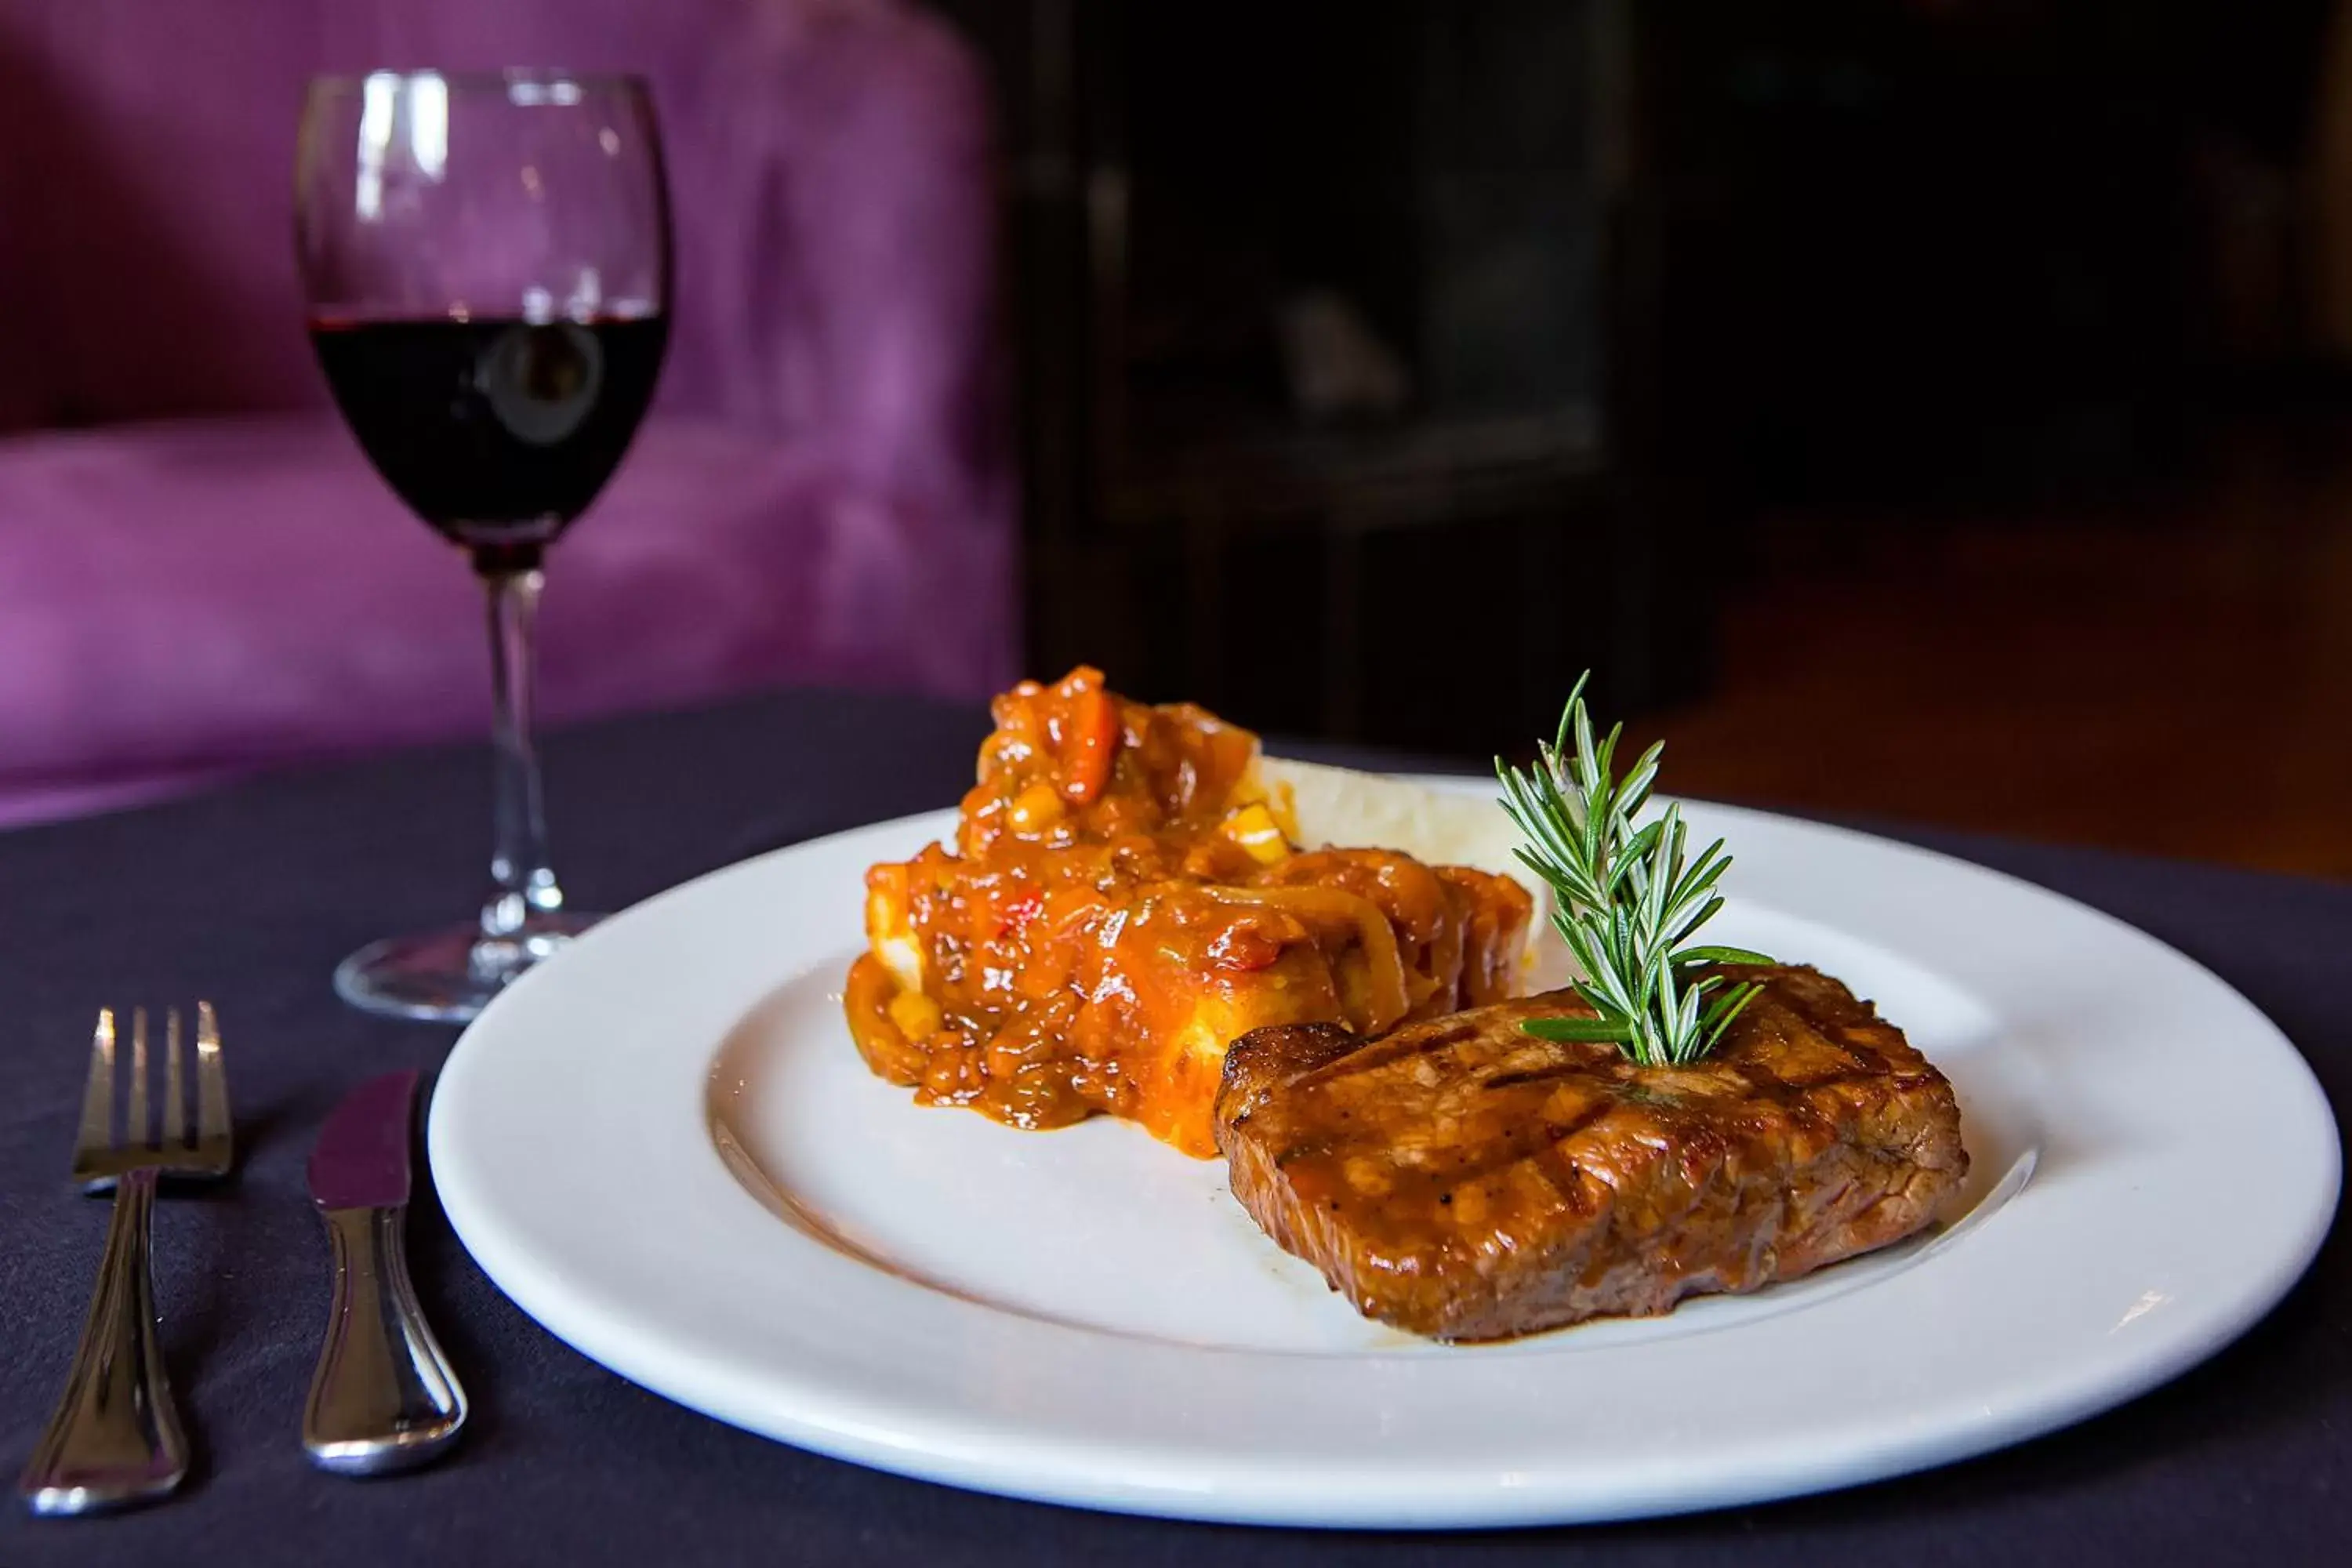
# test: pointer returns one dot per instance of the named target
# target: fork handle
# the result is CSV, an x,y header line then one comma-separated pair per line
x,y
115,1438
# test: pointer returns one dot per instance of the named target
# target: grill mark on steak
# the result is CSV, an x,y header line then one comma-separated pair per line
x,y
1865,1058
1389,1047
1547,1139
1781,1090
1783,1093
1359,1055
1433,1191
1535,1075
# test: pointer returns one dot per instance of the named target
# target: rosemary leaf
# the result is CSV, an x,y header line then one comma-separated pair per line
x,y
1628,897
1719,955
1613,1031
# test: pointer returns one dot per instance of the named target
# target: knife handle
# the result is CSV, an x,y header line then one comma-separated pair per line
x,y
382,1398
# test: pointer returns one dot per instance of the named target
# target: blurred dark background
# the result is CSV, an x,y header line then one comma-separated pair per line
x,y
1912,407
1909,408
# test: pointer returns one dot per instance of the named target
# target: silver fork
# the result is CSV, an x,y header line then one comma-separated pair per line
x,y
115,1438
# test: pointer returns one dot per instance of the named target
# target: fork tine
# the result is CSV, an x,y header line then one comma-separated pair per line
x,y
95,1134
212,1078
176,1115
135,1115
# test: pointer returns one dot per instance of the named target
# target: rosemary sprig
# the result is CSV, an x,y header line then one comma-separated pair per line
x,y
1626,897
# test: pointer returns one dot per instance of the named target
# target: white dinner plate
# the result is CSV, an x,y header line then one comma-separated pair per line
x,y
664,1146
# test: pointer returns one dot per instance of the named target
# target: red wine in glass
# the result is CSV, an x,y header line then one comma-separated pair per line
x,y
486,259
497,433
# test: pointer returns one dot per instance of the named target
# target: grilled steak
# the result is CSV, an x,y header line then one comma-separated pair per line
x,y
1462,1179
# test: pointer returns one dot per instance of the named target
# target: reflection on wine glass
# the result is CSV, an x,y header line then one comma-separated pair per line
x,y
487,265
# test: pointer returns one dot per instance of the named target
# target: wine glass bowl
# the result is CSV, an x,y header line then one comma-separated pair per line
x,y
486,264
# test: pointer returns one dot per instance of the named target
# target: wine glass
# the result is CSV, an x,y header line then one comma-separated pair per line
x,y
486,259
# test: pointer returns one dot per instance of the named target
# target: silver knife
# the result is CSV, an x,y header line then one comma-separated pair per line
x,y
382,1398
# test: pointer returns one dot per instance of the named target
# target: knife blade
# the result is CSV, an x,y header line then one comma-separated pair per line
x,y
382,1397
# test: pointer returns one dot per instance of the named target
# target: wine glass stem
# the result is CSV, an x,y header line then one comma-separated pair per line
x,y
524,883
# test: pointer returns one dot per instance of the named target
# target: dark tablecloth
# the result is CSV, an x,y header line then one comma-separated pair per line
x,y
250,896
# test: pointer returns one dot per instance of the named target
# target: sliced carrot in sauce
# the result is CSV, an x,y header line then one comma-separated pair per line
x,y
1090,744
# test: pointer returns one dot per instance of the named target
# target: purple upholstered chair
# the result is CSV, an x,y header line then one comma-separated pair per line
x,y
200,575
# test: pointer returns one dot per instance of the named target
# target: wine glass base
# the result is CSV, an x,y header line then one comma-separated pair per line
x,y
447,976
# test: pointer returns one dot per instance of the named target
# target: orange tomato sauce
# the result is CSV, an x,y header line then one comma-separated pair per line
x,y
1120,905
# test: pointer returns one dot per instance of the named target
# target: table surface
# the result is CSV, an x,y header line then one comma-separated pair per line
x,y
248,897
